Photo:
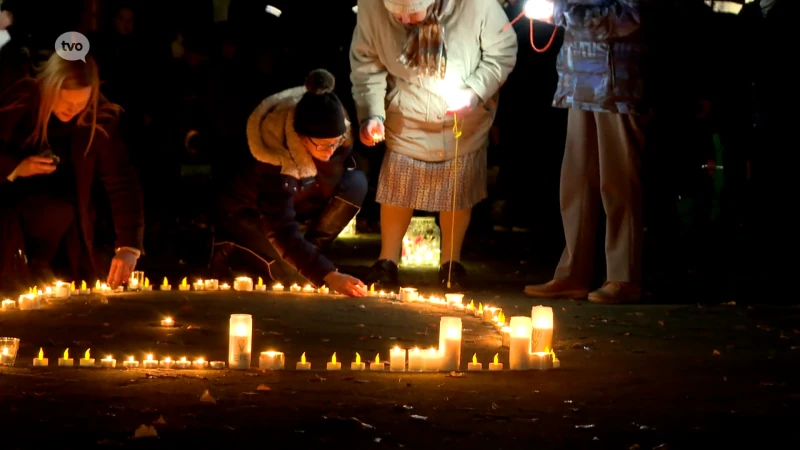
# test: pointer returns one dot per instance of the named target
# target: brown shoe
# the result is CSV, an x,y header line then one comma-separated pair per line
x,y
614,293
556,289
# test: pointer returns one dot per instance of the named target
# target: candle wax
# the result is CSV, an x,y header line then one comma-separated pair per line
x,y
541,361
128,364
474,366
334,366
150,364
84,362
65,362
271,361
451,355
416,360
303,366
199,364
183,364
360,366
217,365
397,360
40,362
495,367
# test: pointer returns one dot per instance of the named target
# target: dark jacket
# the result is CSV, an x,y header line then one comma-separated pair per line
x,y
282,175
107,161
601,61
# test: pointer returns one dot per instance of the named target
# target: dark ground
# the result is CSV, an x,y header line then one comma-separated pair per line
x,y
670,375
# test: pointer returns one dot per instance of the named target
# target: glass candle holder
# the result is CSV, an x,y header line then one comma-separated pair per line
x,y
8,351
241,341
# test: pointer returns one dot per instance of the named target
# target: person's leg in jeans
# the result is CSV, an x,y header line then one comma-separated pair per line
x,y
44,227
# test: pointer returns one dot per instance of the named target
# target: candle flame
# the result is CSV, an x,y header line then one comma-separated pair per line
x,y
502,318
415,350
543,322
333,358
303,358
378,358
97,284
72,286
149,356
372,288
183,358
183,282
83,285
66,354
432,351
200,361
167,359
87,355
496,359
260,281
474,358
41,353
168,320
147,282
358,358
5,350
277,285
130,358
48,290
241,330
480,308
166,282
109,358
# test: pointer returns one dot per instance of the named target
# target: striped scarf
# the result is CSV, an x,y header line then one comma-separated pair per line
x,y
425,50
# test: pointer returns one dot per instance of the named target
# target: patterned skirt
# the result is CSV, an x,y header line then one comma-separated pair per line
x,y
428,186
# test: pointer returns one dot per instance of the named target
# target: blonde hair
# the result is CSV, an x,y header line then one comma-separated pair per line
x,y
55,74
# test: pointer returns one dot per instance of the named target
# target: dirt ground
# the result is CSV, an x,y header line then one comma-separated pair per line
x,y
641,377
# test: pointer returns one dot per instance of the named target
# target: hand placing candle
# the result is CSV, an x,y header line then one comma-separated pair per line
x,y
334,365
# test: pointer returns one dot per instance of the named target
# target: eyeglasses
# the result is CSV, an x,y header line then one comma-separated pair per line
x,y
334,146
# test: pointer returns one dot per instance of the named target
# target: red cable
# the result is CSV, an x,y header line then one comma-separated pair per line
x,y
549,44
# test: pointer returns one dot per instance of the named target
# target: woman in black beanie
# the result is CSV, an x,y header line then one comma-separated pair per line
x,y
302,172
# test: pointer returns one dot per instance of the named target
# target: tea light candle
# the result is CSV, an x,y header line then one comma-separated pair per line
x,y
542,332
84,289
87,360
500,321
48,292
41,361
454,300
490,314
479,311
408,294
277,287
333,364
167,322
325,290
224,287
431,360
357,365
303,364
505,332
243,284
217,365
211,285
136,281
146,285
166,363
450,343
184,286
165,285
377,365
108,362
133,284
519,347
72,289
199,364
66,361
556,361
29,302
199,285
308,289
271,360
9,304
295,288
6,357
496,365
130,363
240,340
149,362
416,360
474,365
261,287
397,359
183,363
540,361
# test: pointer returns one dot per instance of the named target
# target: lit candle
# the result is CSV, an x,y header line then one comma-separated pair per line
x,y
243,284
48,292
408,294
519,347
277,287
9,304
199,285
261,286
98,287
133,284
108,362
324,290
303,364
397,359
333,364
217,365
308,289
149,362
357,365
183,363
479,311
541,361
474,365
372,290
41,361
556,361
72,289
496,365
167,322
66,361
136,281
84,288
454,300
224,287
61,289
130,363
146,285
87,360
505,332
416,360
470,309
295,288
165,285
542,332
381,294
211,285
6,357
184,286
490,314
240,342
431,360
500,321
377,137
450,343
199,364
29,302
271,360
377,365
166,363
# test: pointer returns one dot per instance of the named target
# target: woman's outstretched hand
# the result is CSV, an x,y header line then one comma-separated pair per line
x,y
345,284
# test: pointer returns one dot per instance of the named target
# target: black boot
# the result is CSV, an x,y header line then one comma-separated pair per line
x,y
457,276
336,215
384,275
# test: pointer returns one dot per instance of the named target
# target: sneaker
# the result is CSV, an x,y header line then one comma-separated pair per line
x,y
614,293
457,276
384,274
556,289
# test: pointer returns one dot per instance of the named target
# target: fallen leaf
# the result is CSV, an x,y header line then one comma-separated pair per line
x,y
717,353
455,374
207,398
145,431
263,387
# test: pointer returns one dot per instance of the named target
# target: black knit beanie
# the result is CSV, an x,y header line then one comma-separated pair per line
x,y
320,113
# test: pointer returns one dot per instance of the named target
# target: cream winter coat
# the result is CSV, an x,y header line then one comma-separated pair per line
x,y
480,56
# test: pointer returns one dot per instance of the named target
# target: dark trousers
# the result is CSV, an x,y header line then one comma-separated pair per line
x,y
245,230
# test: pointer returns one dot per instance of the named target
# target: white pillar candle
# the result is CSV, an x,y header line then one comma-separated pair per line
x,y
261,287
243,284
397,359
87,360
241,339
333,364
277,287
271,361
541,361
66,361
377,365
211,285
496,365
357,366
217,365
199,285
108,362
8,305
61,289
505,332
130,363
183,363
450,343
41,361
431,360
29,302
408,294
295,288
303,364
542,332
184,286
416,360
454,300
166,363
519,347
474,366
150,362
199,364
